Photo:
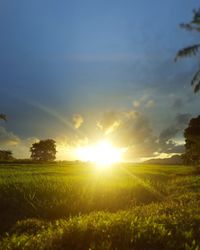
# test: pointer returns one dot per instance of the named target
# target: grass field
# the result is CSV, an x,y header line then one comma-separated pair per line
x,y
75,206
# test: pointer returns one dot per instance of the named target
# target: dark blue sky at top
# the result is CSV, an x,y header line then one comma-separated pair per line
x,y
90,56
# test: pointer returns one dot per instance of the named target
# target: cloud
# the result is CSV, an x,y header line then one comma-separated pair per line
x,y
109,122
180,122
144,149
22,149
67,145
167,142
168,133
150,104
134,128
19,147
8,138
134,133
77,120
129,129
136,104
71,140
173,147
170,147
144,101
178,103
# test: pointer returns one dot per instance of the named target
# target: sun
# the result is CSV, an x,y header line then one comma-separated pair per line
x,y
102,153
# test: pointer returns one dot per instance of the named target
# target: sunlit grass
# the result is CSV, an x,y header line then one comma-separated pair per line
x,y
147,203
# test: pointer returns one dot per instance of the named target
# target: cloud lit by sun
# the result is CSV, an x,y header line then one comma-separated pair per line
x,y
103,153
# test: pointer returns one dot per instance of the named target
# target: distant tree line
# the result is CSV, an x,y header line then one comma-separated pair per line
x,y
6,155
44,150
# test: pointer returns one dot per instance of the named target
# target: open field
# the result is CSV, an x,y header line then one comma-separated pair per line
x,y
75,206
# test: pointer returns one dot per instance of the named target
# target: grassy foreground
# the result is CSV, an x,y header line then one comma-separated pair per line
x,y
75,206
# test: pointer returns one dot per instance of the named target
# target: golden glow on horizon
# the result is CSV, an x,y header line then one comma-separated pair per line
x,y
103,154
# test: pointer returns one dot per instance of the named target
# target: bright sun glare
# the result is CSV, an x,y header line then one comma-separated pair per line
x,y
103,154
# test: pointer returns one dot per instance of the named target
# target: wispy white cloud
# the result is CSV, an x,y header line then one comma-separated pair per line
x,y
77,120
109,122
150,104
8,138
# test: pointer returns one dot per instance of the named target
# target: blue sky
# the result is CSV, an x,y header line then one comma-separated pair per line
x,y
61,58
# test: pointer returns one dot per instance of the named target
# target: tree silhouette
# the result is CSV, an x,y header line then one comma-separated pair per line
x,y
44,150
192,138
3,117
192,50
6,155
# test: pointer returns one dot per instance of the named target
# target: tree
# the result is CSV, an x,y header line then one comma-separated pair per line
x,y
44,150
3,117
192,50
6,155
192,139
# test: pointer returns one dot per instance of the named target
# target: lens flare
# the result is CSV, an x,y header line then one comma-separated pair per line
x,y
103,154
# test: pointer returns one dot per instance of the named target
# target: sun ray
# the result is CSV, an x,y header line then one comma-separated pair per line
x,y
145,184
103,154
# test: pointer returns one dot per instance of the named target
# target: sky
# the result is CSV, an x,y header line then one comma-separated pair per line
x,y
79,71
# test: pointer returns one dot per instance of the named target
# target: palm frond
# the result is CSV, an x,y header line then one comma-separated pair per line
x,y
188,51
194,24
191,50
190,27
196,81
196,17
197,87
196,78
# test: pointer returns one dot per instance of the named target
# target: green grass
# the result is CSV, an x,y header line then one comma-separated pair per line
x,y
74,206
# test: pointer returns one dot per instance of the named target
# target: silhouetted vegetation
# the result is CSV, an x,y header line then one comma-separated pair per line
x,y
192,50
44,150
6,155
192,138
3,117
